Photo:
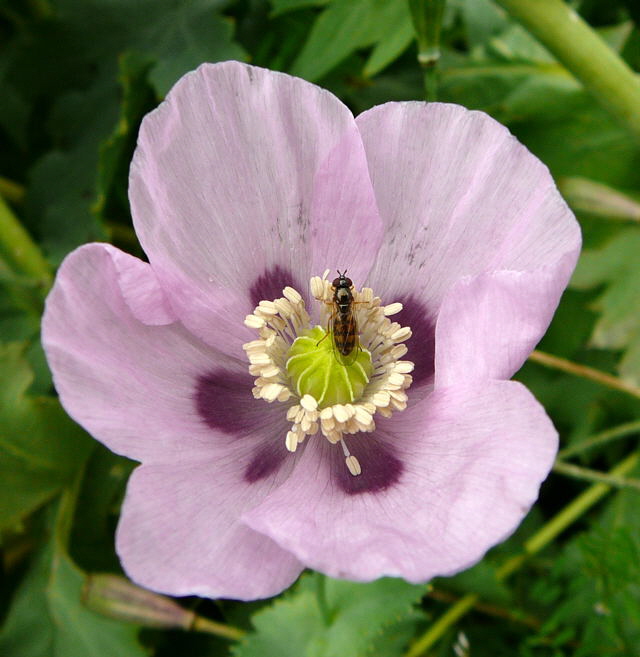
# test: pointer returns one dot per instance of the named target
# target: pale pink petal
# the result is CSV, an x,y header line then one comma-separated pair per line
x,y
243,172
179,534
469,462
140,289
459,196
137,388
489,324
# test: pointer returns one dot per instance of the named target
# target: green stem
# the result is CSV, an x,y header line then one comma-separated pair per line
x,y
588,474
427,22
578,507
19,250
581,50
207,626
621,431
321,597
584,371
12,191
430,76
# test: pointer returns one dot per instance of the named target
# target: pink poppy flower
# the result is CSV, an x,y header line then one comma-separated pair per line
x,y
246,183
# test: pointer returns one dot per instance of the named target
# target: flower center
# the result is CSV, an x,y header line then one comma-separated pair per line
x,y
317,368
333,381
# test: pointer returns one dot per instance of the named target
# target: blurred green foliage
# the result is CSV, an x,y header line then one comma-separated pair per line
x,y
76,77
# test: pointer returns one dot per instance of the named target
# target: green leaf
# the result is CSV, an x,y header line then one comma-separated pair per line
x,y
349,25
116,151
480,579
75,51
47,617
97,510
391,46
41,449
593,590
63,182
283,6
615,267
483,19
362,617
181,40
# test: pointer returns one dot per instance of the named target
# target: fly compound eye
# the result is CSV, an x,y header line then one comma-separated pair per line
x,y
336,282
348,282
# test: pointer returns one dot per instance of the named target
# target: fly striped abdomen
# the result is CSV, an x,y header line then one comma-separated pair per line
x,y
344,334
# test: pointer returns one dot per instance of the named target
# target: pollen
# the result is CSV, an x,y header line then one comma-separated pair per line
x,y
295,363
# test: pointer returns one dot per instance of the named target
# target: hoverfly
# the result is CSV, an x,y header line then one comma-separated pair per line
x,y
342,324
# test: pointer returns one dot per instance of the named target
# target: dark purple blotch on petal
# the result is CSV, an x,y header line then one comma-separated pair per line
x,y
422,343
266,460
381,468
269,285
224,401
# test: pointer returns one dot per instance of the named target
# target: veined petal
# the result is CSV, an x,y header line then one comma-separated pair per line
x,y
140,289
459,196
242,172
179,533
132,386
470,462
489,324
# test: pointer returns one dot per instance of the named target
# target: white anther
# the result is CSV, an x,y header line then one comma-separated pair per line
x,y
392,309
362,416
291,413
399,395
340,413
398,351
259,358
283,307
268,307
326,413
309,403
327,424
395,379
270,371
271,391
317,287
292,295
291,441
254,345
401,334
253,321
333,436
285,395
366,296
381,399
352,462
354,465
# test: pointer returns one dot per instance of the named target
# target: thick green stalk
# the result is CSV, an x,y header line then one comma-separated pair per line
x,y
533,545
19,250
581,50
427,21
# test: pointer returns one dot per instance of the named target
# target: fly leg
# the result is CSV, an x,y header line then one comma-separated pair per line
x,y
326,335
